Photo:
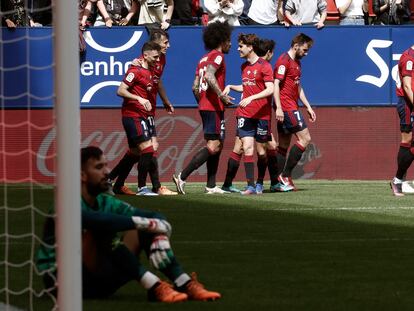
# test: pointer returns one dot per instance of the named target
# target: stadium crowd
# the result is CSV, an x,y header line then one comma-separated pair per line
x,y
164,13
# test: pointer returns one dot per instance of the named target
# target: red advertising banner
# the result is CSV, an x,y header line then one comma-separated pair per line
x,y
347,143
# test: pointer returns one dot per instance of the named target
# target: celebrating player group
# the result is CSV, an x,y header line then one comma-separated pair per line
x,y
259,85
264,91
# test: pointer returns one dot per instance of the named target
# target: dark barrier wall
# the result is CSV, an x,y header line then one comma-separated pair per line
x,y
348,66
347,143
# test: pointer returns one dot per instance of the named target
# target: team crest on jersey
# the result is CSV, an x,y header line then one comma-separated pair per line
x,y
130,77
218,59
409,65
281,70
255,72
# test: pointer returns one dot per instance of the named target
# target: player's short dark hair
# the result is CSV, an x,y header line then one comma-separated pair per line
x,y
157,34
215,34
265,45
249,39
90,152
301,39
150,46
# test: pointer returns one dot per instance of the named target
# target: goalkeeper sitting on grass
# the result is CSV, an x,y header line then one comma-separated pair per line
x,y
109,263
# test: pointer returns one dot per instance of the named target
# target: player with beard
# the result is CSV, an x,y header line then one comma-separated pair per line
x,y
254,111
125,165
108,263
208,89
288,90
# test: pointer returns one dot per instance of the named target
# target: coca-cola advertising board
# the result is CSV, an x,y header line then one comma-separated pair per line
x,y
347,143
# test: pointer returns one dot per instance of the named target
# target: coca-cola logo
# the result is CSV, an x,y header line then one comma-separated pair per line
x,y
174,151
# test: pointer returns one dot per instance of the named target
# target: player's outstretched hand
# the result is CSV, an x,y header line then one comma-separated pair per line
x,y
161,253
312,115
227,90
153,225
226,99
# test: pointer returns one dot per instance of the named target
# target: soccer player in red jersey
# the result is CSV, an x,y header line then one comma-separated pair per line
x,y
405,112
139,98
253,113
123,168
208,89
266,152
288,91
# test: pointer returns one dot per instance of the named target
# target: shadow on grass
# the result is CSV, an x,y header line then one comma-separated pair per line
x,y
263,254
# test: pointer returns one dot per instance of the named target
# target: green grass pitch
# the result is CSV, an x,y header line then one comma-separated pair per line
x,y
332,245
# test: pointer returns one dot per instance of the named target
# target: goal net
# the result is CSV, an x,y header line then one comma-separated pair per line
x,y
38,175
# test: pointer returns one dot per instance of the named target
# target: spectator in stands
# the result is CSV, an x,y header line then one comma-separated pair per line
x,y
40,12
183,12
243,18
151,13
112,12
352,11
390,12
263,12
85,9
15,14
313,13
224,10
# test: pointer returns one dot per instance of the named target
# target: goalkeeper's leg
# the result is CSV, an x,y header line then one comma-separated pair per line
x,y
104,273
171,268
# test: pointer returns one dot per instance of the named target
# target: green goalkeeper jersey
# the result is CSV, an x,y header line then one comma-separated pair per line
x,y
105,219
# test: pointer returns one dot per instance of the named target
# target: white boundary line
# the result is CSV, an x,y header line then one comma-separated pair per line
x,y
356,208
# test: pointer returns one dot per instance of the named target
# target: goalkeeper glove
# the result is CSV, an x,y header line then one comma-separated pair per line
x,y
161,253
152,225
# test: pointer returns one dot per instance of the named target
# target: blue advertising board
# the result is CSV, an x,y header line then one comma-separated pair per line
x,y
347,66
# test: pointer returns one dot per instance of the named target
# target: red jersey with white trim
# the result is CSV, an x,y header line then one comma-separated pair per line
x,y
405,68
254,77
157,71
209,100
288,72
140,82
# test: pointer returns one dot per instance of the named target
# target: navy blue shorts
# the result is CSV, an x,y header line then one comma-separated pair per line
x,y
259,129
137,130
293,122
213,125
405,112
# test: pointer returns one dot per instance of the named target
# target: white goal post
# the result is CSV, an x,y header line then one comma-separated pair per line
x,y
67,197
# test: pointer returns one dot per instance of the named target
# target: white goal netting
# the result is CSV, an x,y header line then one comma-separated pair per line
x,y
27,155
